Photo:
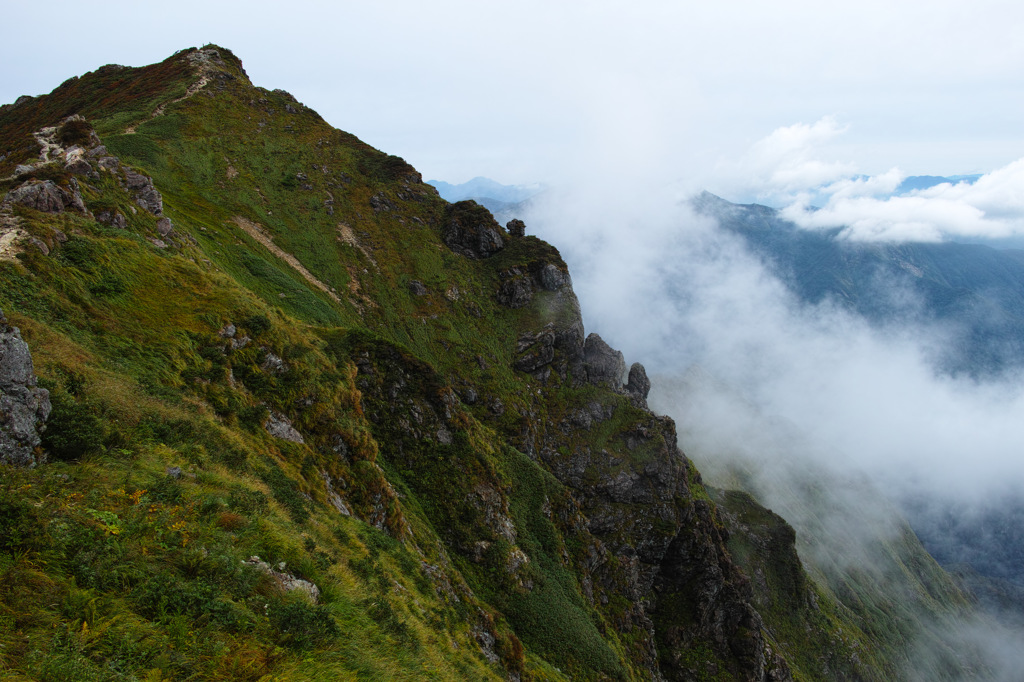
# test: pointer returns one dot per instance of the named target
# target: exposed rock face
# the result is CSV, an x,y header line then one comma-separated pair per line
x,y
638,385
146,195
46,196
379,202
535,351
516,289
516,227
23,407
274,364
471,230
552,278
518,283
112,219
605,365
279,426
703,598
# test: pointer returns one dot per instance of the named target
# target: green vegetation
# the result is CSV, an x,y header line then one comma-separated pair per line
x,y
265,381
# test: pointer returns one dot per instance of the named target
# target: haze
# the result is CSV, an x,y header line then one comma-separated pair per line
x,y
629,109
519,91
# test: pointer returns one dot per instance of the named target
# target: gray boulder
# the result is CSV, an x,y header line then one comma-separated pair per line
x,y
112,219
379,202
24,408
605,365
516,227
274,364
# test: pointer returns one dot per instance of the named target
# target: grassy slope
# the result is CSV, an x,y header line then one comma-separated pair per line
x,y
113,570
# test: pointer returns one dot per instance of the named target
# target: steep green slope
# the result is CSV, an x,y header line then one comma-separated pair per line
x,y
311,421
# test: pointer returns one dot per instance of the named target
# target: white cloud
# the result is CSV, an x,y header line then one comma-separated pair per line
x,y
991,208
672,291
788,162
790,169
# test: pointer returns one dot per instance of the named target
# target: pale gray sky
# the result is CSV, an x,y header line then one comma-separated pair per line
x,y
540,90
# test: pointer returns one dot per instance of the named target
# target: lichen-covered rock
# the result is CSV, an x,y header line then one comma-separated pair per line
x,y
379,202
112,219
605,365
704,600
471,230
24,408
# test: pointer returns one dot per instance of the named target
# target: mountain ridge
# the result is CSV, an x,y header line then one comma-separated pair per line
x,y
309,419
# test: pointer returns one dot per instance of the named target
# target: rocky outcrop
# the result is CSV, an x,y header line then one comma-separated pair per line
x,y
638,385
704,600
519,283
112,219
535,351
74,146
516,228
279,426
550,277
471,230
605,365
46,196
24,408
146,195
286,581
516,289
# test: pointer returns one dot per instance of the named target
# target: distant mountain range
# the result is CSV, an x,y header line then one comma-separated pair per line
x,y
484,188
976,292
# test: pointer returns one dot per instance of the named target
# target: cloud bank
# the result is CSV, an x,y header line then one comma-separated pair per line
x,y
790,169
821,416
672,290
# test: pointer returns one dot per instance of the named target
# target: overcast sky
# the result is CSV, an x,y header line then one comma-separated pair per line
x,y
533,91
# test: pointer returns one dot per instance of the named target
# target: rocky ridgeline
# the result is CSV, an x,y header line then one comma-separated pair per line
x,y
649,538
73,152
24,407
631,530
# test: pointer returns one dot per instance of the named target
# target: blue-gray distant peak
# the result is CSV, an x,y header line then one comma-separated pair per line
x,y
480,187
